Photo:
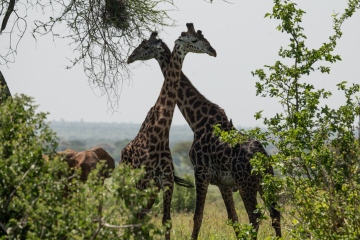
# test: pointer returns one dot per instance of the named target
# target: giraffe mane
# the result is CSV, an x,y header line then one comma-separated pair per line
x,y
166,48
201,95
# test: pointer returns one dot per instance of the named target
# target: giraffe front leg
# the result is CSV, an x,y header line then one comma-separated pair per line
x,y
227,196
166,221
142,185
201,190
150,203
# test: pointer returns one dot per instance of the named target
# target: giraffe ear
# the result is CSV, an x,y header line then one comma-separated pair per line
x,y
158,43
153,36
199,33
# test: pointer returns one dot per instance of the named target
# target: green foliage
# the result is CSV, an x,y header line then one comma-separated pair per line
x,y
24,138
184,199
233,137
41,198
127,201
244,231
180,155
317,151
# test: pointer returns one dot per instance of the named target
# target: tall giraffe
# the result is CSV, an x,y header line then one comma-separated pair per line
x,y
150,148
214,162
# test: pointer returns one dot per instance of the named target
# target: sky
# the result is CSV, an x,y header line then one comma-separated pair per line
x,y
244,41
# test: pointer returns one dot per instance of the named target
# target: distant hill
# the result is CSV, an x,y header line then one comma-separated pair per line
x,y
86,131
112,136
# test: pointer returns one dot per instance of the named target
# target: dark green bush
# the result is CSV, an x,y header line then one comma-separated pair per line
x,y
41,198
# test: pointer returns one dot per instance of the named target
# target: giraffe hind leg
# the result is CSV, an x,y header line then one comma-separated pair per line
x,y
227,196
201,190
274,214
248,194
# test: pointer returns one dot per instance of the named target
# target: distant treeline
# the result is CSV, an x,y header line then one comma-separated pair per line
x,y
111,131
112,136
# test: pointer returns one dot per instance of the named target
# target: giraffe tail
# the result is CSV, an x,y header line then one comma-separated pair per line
x,y
182,182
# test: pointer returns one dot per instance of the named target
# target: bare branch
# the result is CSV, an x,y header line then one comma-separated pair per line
x,y
117,226
7,15
3,228
101,32
4,89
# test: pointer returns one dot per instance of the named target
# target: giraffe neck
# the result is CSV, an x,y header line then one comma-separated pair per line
x,y
166,102
190,100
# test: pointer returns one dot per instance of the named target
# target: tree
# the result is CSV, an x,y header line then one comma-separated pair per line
x,y
317,150
100,31
180,154
5,92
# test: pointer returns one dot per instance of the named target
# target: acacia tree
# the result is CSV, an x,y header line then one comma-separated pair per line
x,y
318,153
100,31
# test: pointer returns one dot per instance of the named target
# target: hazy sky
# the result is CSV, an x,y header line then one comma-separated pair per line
x,y
244,41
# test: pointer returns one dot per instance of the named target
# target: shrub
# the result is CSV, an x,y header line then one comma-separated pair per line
x,y
33,203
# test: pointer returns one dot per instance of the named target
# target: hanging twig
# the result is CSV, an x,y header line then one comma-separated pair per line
x,y
7,15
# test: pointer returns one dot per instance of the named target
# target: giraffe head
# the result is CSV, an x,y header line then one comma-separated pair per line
x,y
148,49
192,41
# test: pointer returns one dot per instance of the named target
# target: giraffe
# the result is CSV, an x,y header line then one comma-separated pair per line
x,y
214,162
150,148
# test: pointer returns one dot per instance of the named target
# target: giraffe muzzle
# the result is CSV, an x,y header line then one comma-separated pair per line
x,y
130,60
212,52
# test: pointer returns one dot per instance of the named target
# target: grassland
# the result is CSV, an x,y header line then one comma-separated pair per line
x,y
214,225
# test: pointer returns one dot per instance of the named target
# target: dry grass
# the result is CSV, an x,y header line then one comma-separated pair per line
x,y
214,225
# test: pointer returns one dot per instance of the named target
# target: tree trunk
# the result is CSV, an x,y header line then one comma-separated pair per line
x,y
4,89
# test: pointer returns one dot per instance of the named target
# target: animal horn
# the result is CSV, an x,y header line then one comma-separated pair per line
x,y
153,36
190,27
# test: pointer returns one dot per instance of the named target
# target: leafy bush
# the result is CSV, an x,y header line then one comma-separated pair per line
x,y
41,198
24,138
184,199
317,151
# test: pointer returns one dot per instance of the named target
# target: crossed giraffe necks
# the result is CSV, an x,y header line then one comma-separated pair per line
x,y
200,113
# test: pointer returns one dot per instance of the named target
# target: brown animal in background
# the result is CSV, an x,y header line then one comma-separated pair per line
x,y
87,160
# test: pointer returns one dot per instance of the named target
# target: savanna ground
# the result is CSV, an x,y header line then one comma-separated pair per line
x,y
214,225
